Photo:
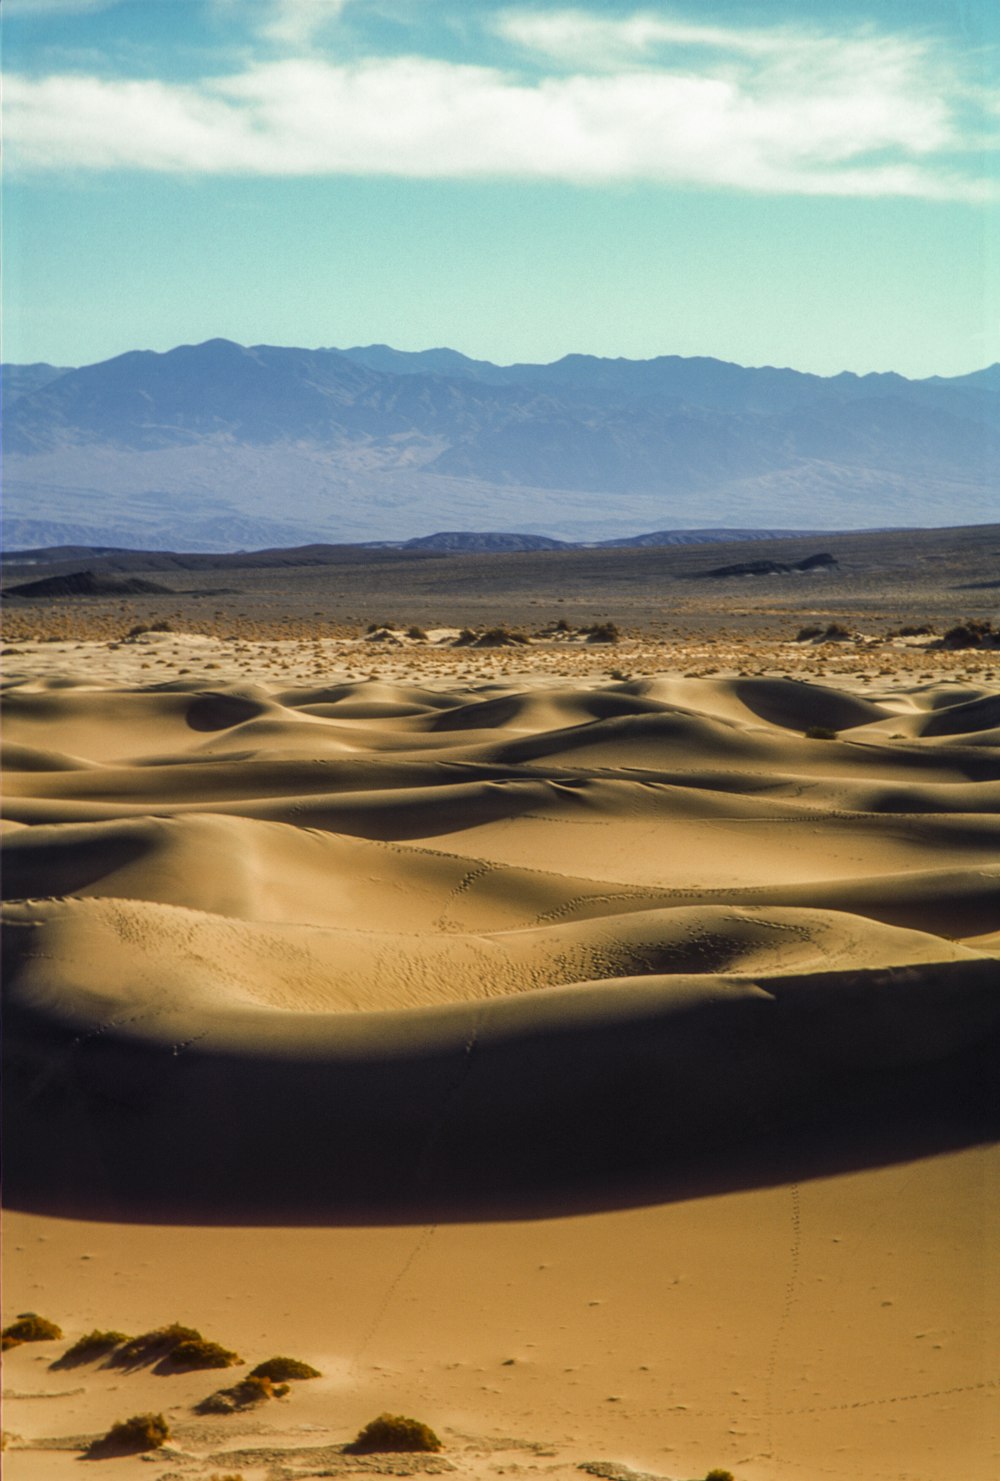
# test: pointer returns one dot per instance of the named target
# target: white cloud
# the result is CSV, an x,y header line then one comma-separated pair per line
x,y
793,112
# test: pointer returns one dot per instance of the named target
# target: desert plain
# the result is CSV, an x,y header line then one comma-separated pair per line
x,y
588,1048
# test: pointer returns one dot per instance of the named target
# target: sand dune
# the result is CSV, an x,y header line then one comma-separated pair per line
x,y
414,953
663,884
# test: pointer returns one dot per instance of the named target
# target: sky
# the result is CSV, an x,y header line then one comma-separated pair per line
x,y
810,183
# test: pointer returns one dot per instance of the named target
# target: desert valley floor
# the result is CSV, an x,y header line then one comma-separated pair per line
x,y
587,1049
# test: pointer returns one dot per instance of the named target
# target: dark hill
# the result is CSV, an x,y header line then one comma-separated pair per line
x,y
87,584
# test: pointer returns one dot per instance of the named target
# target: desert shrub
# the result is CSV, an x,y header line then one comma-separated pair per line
x,y
974,632
29,1327
198,1352
246,1394
562,626
465,639
820,732
94,1345
416,632
720,1475
281,1369
131,1436
394,1432
914,632
162,626
500,637
380,627
834,632
602,632
158,1343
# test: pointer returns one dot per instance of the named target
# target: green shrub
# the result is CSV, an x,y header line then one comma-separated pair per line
x,y
94,1345
281,1369
246,1394
820,732
29,1327
720,1475
158,1343
394,1432
198,1352
132,1436
182,1346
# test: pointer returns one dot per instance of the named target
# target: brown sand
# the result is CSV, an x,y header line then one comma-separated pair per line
x,y
598,1068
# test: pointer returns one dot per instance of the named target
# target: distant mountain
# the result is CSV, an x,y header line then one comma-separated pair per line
x,y
21,380
219,445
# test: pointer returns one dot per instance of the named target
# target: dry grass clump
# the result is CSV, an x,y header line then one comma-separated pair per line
x,y
819,732
246,1394
29,1327
416,632
280,1370
132,1436
394,1432
182,1347
720,1475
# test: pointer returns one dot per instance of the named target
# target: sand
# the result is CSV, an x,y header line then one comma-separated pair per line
x,y
600,1068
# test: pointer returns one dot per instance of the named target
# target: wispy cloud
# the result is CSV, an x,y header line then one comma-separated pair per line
x,y
585,99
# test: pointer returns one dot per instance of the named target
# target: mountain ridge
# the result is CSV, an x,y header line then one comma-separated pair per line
x,y
283,444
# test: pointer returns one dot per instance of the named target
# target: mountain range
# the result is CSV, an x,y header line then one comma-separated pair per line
x,y
218,445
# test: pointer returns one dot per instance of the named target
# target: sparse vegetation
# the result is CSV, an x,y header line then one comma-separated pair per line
x,y
602,632
198,1352
280,1370
29,1327
132,1436
246,1394
381,627
183,1347
417,633
974,632
158,1343
394,1432
820,732
720,1475
834,632
92,1346
141,628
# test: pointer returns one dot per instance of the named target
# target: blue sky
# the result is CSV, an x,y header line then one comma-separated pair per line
x,y
785,182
